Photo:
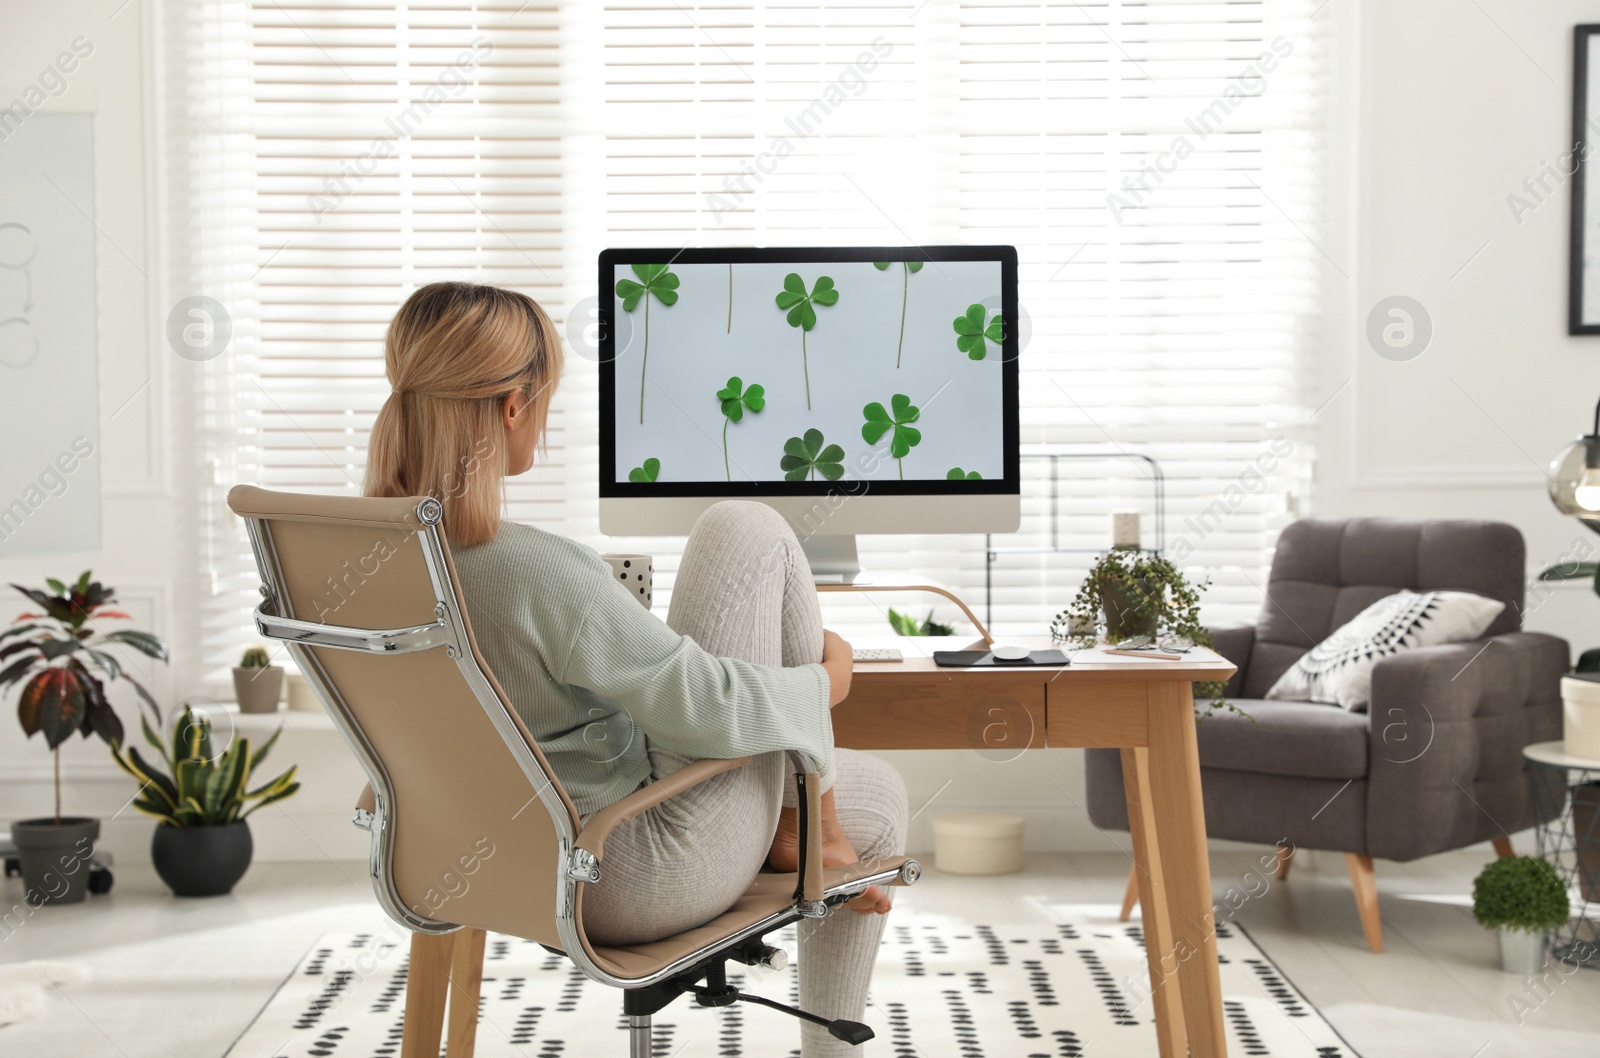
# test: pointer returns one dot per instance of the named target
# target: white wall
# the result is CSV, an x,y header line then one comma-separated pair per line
x,y
1456,106
1441,116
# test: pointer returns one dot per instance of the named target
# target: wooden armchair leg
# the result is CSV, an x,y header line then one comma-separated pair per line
x,y
1130,899
1365,885
427,985
1502,846
1285,858
466,981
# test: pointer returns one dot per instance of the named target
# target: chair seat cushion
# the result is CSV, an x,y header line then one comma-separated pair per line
x,y
1301,739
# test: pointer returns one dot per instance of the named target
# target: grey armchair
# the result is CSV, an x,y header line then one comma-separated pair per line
x,y
1435,763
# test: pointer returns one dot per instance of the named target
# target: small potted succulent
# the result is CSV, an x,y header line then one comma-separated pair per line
x,y
202,799
63,658
257,682
1520,898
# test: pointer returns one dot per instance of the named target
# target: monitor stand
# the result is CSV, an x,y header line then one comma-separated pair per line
x,y
833,558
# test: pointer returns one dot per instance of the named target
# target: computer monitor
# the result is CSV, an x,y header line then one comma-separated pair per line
x,y
854,389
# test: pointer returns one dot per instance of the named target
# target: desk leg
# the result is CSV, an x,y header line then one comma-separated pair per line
x,y
1180,824
1165,996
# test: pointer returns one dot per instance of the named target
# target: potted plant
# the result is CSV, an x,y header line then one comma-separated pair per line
x,y
906,625
202,846
1140,595
1520,898
257,682
61,659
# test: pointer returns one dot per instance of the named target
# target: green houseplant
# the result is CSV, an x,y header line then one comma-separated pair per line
x,y
62,659
257,682
202,799
906,625
1138,594
1520,898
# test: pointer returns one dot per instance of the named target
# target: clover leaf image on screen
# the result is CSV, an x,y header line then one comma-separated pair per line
x,y
880,390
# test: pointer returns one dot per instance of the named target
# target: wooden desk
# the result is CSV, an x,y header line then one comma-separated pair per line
x,y
1145,708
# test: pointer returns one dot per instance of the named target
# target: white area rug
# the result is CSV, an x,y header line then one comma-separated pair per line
x,y
943,988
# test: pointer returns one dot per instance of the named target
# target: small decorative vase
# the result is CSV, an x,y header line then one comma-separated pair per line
x,y
1521,952
202,861
1580,715
258,690
55,857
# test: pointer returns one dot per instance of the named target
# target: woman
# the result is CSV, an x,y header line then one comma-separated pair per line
x,y
618,699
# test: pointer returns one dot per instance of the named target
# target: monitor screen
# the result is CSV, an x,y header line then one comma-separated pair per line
x,y
749,372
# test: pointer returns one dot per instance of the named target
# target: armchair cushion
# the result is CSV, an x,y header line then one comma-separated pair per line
x,y
1298,739
1327,570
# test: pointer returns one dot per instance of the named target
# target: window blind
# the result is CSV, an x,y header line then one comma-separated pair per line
x,y
1156,164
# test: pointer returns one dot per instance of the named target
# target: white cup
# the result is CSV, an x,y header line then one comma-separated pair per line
x,y
637,574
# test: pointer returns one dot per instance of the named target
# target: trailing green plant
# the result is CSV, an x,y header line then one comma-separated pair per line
x,y
957,474
647,472
654,279
906,625
255,658
973,334
1520,893
806,456
1134,593
59,656
800,304
200,788
735,400
880,421
907,269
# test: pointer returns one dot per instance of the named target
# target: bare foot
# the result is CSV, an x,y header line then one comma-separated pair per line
x,y
836,852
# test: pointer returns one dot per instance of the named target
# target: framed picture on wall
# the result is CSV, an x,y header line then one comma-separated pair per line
x,y
1583,298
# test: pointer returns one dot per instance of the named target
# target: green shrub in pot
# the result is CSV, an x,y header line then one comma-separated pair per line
x,y
1520,897
202,799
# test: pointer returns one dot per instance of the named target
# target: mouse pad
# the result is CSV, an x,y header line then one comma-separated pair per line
x,y
974,658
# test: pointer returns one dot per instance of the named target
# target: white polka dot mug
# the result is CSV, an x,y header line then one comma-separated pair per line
x,y
635,572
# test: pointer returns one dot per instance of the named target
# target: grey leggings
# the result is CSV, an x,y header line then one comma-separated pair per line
x,y
744,590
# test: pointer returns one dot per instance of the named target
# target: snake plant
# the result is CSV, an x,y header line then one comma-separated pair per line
x,y
200,788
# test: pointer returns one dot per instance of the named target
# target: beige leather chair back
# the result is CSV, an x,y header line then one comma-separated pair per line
x,y
470,822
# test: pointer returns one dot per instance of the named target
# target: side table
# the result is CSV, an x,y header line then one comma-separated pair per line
x,y
1566,804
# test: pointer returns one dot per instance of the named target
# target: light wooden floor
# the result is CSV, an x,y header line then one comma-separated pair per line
x,y
184,978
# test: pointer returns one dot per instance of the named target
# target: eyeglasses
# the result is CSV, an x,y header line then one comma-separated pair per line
x,y
1173,643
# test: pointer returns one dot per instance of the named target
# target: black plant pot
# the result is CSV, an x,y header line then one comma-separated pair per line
x,y
55,857
202,861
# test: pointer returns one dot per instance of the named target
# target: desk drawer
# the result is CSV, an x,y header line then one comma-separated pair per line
x,y
1098,713
949,715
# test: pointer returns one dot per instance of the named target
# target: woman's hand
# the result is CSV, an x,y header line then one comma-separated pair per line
x,y
838,660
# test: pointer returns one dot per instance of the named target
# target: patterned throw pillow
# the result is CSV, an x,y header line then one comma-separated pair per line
x,y
1338,670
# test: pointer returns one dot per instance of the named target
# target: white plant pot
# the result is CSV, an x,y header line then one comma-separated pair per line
x,y
1580,717
1521,952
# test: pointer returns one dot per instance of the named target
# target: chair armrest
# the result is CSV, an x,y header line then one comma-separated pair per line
x,y
593,835
1234,642
1447,728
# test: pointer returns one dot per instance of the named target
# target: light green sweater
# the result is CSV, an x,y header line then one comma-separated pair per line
x,y
599,679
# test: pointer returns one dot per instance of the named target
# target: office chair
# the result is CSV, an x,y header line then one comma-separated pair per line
x,y
364,594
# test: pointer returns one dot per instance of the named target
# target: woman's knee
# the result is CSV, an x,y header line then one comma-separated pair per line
x,y
872,793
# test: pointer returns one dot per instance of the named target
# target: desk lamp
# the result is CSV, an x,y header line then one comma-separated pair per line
x,y
1575,476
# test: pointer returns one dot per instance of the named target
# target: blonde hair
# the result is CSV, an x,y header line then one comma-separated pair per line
x,y
453,353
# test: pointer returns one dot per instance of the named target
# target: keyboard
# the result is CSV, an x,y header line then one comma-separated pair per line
x,y
875,654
